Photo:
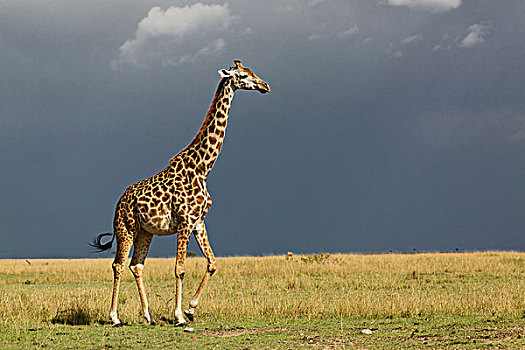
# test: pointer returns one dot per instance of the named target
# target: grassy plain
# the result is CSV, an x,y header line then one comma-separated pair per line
x,y
428,300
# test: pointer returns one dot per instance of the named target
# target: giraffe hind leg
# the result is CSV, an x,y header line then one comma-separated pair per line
x,y
140,251
123,248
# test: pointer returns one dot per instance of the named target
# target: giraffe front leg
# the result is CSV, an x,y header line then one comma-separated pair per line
x,y
183,238
202,239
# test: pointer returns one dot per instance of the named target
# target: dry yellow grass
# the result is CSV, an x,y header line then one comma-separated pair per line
x,y
275,287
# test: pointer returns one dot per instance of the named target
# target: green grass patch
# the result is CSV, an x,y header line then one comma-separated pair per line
x,y
418,333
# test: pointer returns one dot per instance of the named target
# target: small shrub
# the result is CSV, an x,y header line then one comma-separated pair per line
x,y
315,258
76,315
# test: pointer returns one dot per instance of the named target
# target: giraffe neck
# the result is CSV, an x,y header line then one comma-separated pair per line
x,y
207,144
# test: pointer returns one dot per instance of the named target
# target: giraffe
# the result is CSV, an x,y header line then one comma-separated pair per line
x,y
175,201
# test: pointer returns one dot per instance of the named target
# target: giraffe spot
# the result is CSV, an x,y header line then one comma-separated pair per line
x,y
156,221
200,199
213,140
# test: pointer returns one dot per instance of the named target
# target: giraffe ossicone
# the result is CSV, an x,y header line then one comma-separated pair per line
x,y
175,201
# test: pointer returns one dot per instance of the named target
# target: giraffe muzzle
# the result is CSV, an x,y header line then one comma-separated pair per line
x,y
264,88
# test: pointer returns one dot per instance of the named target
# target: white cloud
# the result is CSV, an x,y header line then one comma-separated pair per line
x,y
433,6
349,33
314,36
444,44
398,54
176,36
411,39
475,35
322,31
314,3
393,50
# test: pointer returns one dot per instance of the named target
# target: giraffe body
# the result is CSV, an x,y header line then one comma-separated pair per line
x,y
176,200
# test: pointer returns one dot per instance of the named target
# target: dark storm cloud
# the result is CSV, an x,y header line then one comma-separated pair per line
x,y
391,125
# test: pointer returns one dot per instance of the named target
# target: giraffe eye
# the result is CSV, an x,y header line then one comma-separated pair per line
x,y
243,76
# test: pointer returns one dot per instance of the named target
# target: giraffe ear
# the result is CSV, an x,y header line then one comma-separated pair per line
x,y
225,73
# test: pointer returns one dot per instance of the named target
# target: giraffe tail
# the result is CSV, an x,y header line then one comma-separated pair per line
x,y
97,242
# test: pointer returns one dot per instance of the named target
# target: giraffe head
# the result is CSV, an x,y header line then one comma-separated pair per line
x,y
244,79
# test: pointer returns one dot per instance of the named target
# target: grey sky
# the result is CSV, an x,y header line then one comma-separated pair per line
x,y
392,124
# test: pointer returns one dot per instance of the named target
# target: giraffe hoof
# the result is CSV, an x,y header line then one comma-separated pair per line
x,y
153,323
181,324
189,315
117,325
